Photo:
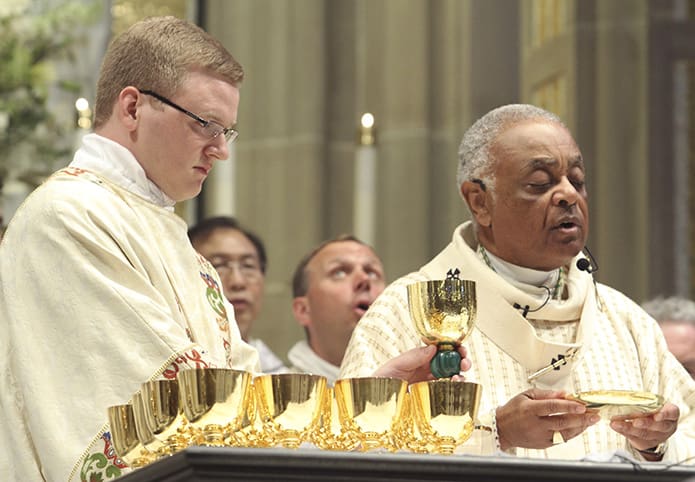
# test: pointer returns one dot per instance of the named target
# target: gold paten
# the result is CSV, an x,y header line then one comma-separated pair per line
x,y
620,404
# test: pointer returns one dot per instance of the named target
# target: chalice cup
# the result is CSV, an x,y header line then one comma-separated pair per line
x,y
331,435
444,413
444,315
371,411
164,415
289,407
124,437
214,401
144,433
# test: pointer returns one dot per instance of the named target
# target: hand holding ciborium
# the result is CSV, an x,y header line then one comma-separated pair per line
x,y
444,315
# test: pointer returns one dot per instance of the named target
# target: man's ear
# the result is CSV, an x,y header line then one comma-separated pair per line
x,y
478,200
301,310
127,106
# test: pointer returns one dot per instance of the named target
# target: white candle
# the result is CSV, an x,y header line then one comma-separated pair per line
x,y
365,182
220,186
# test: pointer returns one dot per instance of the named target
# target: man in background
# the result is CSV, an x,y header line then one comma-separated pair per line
x,y
333,286
239,257
676,317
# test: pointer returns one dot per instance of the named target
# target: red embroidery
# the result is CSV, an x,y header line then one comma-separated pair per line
x,y
74,171
192,359
110,453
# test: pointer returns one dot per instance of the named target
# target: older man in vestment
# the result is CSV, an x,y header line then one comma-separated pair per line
x,y
544,328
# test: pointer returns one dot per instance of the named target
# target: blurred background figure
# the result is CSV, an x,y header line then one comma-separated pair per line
x,y
239,257
333,286
676,316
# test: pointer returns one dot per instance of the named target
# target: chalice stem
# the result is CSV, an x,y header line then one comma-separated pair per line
x,y
446,362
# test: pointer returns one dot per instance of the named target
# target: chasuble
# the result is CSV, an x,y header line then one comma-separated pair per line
x,y
100,291
607,341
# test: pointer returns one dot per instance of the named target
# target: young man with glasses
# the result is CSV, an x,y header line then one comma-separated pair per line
x,y
100,288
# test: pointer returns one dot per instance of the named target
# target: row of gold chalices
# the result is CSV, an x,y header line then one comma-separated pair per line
x,y
222,407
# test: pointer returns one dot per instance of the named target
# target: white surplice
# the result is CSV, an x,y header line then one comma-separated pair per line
x,y
616,346
100,291
305,360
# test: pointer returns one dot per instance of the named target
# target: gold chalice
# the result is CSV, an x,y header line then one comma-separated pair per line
x,y
164,415
144,433
371,410
444,412
444,315
330,435
289,407
124,437
214,401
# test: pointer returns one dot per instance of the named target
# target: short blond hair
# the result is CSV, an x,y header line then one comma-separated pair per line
x,y
156,54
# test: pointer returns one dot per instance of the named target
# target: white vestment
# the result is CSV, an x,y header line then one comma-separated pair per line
x,y
100,291
617,346
270,362
305,360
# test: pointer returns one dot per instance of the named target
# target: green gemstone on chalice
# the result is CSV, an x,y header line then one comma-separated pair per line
x,y
446,362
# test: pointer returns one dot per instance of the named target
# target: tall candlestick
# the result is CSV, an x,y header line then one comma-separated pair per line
x,y
364,210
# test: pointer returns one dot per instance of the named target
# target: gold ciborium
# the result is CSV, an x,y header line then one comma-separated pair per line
x,y
444,413
371,410
124,437
163,414
289,406
444,315
214,401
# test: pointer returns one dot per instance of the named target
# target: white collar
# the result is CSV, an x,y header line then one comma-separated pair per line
x,y
116,163
520,276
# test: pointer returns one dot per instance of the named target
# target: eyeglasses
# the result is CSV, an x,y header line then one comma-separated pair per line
x,y
210,128
248,268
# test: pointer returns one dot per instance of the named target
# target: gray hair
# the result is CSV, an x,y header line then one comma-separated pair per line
x,y
673,308
474,152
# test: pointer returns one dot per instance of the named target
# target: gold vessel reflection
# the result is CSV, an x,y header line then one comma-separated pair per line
x,y
124,437
145,434
444,413
214,401
371,410
163,414
444,315
289,406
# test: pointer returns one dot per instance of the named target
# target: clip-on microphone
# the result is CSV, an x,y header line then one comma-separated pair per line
x,y
589,265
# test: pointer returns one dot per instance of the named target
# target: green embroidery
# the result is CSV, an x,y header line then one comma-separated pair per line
x,y
216,301
96,466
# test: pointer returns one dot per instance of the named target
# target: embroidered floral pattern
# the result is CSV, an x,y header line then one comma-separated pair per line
x,y
216,299
102,463
214,295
